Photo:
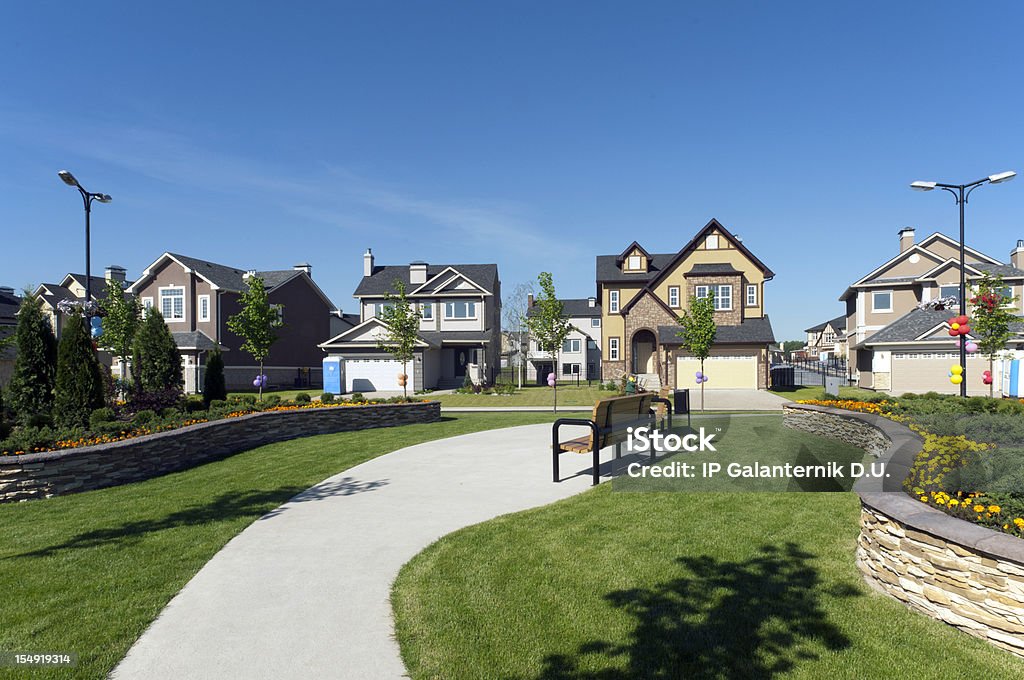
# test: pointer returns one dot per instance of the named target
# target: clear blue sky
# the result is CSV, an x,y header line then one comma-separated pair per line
x,y
532,134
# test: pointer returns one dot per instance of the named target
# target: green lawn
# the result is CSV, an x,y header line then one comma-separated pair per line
x,y
818,392
568,395
610,586
286,395
87,573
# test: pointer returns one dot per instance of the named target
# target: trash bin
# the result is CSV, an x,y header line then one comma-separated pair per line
x,y
681,401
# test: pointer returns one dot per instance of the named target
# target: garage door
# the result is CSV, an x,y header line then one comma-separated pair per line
x,y
371,375
929,372
723,372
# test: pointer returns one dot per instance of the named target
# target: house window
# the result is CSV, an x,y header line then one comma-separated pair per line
x,y
462,309
881,301
633,262
147,304
379,307
427,312
572,345
950,291
711,242
570,369
613,349
595,323
172,303
701,292
721,294
751,296
279,311
204,307
673,296
613,301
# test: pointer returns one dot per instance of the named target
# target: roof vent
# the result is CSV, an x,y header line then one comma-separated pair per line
x,y
304,267
249,274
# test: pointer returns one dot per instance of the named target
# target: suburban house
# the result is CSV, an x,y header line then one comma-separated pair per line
x,y
580,356
897,347
72,288
9,306
826,340
460,329
642,294
197,297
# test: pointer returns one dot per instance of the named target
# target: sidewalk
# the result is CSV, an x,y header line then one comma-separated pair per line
x,y
304,591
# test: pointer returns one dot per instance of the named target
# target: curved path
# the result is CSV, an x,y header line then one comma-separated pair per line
x,y
304,591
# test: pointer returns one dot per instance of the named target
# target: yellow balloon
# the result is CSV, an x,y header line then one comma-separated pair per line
x,y
956,379
955,326
957,370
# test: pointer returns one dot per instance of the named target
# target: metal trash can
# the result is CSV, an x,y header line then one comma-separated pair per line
x,y
783,376
681,401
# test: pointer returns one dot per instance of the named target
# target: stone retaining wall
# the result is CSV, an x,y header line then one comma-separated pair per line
x,y
955,571
41,475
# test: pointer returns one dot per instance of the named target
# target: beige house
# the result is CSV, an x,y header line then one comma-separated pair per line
x,y
897,347
642,294
826,339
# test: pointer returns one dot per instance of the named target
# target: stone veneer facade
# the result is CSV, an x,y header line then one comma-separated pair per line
x,y
41,475
954,571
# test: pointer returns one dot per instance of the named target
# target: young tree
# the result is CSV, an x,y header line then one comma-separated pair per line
x,y
79,386
256,323
698,332
30,392
123,314
401,329
992,318
548,325
156,361
514,310
213,380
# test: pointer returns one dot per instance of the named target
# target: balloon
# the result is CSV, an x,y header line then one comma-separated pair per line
x,y
971,347
256,382
699,375
956,379
958,369
955,326
953,332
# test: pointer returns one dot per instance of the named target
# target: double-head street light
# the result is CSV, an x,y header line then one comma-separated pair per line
x,y
961,192
87,198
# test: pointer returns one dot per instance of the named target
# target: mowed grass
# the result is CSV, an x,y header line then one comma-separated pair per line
x,y
532,395
87,573
818,392
610,586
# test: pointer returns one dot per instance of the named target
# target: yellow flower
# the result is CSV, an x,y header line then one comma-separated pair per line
x,y
1019,522
953,502
924,499
979,508
994,509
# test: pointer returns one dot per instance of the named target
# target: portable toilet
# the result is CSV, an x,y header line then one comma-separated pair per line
x,y
1013,378
334,375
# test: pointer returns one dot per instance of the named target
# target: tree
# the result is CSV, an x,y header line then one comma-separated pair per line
x,y
123,314
79,386
256,323
401,329
991,318
516,332
30,392
789,346
548,325
213,380
156,361
698,332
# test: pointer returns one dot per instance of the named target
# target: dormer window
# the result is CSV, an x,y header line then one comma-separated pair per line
x,y
711,242
633,262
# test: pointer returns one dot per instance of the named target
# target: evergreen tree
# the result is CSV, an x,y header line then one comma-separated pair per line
x,y
79,387
156,361
30,392
213,381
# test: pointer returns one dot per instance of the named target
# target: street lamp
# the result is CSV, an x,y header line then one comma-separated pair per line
x,y
87,199
961,192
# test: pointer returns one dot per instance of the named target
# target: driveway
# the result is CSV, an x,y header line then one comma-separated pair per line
x,y
737,400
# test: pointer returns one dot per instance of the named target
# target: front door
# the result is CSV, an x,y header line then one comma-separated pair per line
x,y
463,356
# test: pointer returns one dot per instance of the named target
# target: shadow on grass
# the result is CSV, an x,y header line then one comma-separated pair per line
x,y
226,507
750,619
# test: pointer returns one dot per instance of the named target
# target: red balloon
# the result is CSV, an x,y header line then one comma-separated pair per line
x,y
953,332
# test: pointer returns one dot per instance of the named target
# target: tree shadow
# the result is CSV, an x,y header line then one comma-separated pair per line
x,y
227,506
750,619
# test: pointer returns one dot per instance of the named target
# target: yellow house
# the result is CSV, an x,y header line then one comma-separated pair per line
x,y
642,296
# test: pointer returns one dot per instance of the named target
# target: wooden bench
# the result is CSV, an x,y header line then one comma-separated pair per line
x,y
609,424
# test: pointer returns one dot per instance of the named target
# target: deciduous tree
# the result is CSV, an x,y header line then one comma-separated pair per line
x,y
991,318
698,332
548,325
401,329
257,323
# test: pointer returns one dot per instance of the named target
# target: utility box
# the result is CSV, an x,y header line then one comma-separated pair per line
x,y
832,385
334,375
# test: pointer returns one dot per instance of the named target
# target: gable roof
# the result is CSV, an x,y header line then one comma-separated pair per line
x,y
609,270
575,308
630,248
838,323
381,281
1007,271
9,306
346,337
939,236
196,340
712,269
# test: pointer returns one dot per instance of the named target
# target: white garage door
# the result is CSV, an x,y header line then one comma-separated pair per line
x,y
929,372
723,372
371,375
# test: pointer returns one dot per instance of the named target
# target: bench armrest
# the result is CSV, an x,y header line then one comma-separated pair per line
x,y
596,433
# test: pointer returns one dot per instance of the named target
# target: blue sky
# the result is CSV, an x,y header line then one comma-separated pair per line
x,y
532,134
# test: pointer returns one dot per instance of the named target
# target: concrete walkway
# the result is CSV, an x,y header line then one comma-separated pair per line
x,y
716,400
304,591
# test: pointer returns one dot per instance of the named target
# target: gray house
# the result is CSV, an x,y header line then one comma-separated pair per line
x,y
460,330
580,357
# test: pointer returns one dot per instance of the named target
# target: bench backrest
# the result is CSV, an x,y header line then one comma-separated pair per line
x,y
615,414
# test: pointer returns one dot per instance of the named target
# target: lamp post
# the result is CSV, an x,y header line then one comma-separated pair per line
x,y
961,192
87,198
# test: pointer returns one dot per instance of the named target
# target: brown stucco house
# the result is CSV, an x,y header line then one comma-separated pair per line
x,y
9,306
460,327
197,297
895,345
642,294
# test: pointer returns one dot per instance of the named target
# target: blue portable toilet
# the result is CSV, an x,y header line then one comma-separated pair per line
x,y
334,375
1013,378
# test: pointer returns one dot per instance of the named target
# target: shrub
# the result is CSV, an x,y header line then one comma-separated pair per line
x,y
195,404
326,398
156,400
144,417
248,399
213,381
170,413
100,416
156,362
78,389
357,396
272,400
30,391
27,438
302,398
218,404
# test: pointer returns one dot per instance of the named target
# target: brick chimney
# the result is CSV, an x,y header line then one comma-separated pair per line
x,y
368,263
529,301
417,273
1017,255
906,238
114,272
